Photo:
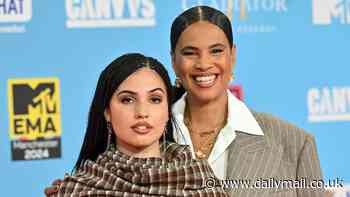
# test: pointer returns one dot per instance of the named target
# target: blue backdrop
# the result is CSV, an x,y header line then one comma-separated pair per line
x,y
291,61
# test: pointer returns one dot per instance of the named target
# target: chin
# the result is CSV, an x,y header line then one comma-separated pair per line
x,y
143,142
207,95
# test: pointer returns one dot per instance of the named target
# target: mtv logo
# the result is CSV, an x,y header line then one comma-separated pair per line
x,y
12,11
34,108
325,11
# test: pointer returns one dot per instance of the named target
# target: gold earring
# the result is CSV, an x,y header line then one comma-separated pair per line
x,y
178,82
232,77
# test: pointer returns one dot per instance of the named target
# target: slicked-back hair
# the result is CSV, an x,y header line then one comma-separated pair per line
x,y
197,14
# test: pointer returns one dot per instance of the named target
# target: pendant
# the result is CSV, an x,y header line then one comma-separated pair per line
x,y
200,155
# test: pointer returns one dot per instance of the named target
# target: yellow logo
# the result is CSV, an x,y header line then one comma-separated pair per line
x,y
34,108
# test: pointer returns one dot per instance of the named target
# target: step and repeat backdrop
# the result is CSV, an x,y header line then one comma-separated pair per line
x,y
292,61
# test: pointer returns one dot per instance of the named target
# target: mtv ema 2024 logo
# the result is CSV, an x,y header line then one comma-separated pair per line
x,y
325,12
329,104
110,13
13,13
247,14
35,118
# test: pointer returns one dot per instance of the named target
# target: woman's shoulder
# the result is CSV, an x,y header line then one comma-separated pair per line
x,y
177,151
271,124
174,148
281,132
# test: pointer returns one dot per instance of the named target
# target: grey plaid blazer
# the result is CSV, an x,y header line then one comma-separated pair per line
x,y
285,152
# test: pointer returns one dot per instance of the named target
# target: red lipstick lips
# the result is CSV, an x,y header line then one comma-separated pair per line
x,y
142,127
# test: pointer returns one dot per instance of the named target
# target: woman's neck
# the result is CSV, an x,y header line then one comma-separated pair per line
x,y
208,115
140,152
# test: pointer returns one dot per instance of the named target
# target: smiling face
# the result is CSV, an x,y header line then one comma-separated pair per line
x,y
138,111
203,61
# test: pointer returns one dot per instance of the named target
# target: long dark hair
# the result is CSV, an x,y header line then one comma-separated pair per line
x,y
95,140
193,15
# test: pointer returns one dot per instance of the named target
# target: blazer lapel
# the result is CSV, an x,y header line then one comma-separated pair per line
x,y
252,157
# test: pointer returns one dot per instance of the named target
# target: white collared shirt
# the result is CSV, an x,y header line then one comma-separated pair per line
x,y
239,118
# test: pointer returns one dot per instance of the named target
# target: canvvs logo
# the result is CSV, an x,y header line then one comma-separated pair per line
x,y
14,11
329,104
110,13
325,12
35,118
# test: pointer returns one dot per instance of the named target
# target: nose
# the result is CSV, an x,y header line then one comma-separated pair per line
x,y
141,111
204,62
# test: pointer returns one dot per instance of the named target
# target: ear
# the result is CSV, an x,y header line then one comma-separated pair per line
x,y
172,54
107,115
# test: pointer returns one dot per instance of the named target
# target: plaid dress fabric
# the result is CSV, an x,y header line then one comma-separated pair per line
x,y
117,174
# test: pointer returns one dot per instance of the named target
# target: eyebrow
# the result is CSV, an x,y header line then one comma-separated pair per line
x,y
156,89
188,48
210,47
134,93
217,45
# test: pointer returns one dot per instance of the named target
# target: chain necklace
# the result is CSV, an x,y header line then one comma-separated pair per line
x,y
203,142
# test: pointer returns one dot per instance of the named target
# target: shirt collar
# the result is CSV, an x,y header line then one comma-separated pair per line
x,y
239,116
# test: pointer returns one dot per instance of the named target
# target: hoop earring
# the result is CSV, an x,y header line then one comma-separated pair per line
x,y
109,137
177,82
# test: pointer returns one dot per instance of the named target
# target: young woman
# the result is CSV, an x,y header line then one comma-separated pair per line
x,y
129,121
240,145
